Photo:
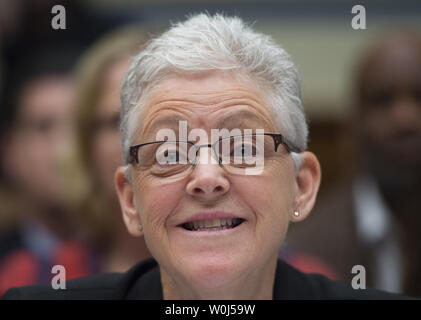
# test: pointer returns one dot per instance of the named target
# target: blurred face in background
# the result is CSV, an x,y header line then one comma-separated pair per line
x,y
40,138
106,146
390,99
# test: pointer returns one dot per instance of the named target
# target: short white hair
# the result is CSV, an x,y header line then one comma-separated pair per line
x,y
204,43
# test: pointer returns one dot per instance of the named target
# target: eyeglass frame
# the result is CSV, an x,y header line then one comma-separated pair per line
x,y
278,139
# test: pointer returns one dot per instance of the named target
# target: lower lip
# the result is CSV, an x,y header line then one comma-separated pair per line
x,y
213,232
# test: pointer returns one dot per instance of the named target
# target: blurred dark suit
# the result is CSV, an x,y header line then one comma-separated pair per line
x,y
351,226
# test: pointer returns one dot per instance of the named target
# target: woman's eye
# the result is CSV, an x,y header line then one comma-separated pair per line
x,y
172,156
168,157
244,150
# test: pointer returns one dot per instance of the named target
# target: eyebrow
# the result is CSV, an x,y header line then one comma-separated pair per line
x,y
233,120
238,119
159,124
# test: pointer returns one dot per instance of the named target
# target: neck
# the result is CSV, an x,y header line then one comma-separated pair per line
x,y
256,285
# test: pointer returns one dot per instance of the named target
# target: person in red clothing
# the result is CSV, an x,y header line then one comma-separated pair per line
x,y
37,132
99,75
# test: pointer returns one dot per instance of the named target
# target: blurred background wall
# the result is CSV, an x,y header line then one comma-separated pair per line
x,y
317,34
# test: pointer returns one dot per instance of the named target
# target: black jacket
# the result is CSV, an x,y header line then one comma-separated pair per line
x,y
143,282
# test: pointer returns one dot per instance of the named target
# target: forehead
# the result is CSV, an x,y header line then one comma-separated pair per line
x,y
392,66
208,101
48,96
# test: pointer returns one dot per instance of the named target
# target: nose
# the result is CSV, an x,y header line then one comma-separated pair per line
x,y
208,179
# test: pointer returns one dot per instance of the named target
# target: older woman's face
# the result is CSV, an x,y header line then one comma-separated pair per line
x,y
265,201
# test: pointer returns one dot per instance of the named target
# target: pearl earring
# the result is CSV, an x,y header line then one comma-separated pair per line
x,y
140,228
296,214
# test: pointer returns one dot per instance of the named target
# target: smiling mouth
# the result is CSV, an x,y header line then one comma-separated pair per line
x,y
212,225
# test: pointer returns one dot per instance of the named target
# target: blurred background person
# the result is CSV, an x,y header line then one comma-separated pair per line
x,y
26,24
99,77
38,229
377,217
36,135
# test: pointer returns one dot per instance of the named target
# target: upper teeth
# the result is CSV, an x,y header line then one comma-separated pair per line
x,y
215,223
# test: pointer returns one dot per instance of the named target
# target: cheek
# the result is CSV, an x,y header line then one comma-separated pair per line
x,y
377,124
107,156
271,202
20,161
155,202
270,196
107,148
40,156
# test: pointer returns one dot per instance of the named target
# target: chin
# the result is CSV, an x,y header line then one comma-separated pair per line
x,y
210,272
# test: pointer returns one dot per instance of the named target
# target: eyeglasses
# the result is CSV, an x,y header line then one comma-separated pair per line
x,y
238,154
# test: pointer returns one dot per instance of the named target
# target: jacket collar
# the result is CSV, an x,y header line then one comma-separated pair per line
x,y
143,282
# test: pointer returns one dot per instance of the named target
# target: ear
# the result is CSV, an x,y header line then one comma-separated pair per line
x,y
127,202
307,182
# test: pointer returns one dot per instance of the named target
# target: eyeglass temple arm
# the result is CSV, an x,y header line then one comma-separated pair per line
x,y
280,139
132,157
